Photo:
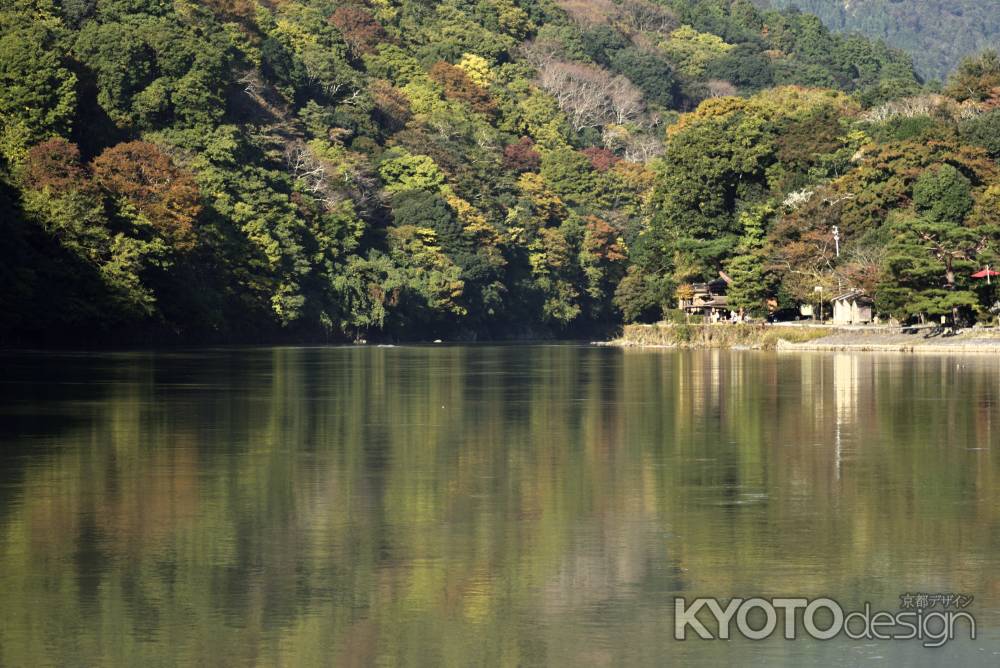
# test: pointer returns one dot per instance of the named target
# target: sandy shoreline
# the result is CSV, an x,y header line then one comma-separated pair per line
x,y
821,338
964,342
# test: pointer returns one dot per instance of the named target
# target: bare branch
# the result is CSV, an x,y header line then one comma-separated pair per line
x,y
590,95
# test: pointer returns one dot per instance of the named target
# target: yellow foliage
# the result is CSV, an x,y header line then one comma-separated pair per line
x,y
547,204
475,226
467,214
513,20
634,175
297,34
987,208
693,50
424,96
784,101
685,291
384,10
477,69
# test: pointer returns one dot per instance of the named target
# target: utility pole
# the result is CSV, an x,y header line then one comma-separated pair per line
x,y
836,238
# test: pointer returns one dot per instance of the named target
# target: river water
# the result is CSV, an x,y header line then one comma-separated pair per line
x,y
485,505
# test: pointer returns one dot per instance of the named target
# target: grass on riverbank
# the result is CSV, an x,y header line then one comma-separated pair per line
x,y
755,336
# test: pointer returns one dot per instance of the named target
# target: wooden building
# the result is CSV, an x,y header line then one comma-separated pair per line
x,y
706,299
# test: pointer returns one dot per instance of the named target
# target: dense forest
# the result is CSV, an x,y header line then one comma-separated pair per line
x,y
236,170
938,33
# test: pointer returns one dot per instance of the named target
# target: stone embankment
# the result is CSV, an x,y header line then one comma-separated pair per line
x,y
810,337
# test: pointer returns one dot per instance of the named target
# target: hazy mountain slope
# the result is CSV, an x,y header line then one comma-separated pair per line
x,y
938,33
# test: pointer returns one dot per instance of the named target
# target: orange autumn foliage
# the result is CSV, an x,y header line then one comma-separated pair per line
x,y
54,164
146,177
458,86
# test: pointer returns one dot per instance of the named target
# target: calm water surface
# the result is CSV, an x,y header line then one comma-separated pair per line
x,y
463,506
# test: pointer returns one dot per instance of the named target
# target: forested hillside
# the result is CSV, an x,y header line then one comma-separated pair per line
x,y
938,33
240,170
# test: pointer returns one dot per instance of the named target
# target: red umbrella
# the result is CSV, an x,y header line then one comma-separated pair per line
x,y
986,273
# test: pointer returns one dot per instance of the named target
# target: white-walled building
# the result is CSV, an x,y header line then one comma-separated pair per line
x,y
852,308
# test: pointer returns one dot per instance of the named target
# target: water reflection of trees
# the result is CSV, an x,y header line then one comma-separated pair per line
x,y
470,505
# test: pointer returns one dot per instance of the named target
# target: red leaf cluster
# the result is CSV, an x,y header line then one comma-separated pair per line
x,y
359,28
521,156
601,158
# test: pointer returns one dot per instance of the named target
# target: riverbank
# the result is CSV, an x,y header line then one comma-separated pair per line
x,y
797,337
744,335
967,341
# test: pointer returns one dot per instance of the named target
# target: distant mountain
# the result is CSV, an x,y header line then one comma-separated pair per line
x,y
938,33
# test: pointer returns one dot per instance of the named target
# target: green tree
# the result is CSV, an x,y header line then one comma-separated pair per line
x,y
37,92
424,209
749,290
933,250
61,198
432,285
569,174
984,130
651,72
123,62
401,170
744,67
